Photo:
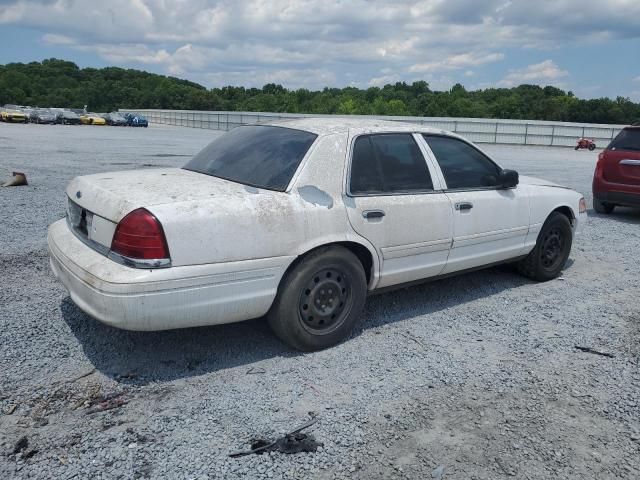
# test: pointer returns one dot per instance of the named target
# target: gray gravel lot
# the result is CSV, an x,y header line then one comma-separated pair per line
x,y
473,377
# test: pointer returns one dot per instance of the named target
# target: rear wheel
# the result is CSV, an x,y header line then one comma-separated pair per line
x,y
552,249
319,300
592,147
602,207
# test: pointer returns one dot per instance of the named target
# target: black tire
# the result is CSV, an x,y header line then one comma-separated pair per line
x,y
592,147
602,207
548,257
577,147
319,300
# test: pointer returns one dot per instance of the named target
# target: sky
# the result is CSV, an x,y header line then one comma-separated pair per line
x,y
591,47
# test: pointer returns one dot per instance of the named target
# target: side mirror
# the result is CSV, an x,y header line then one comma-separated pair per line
x,y
508,179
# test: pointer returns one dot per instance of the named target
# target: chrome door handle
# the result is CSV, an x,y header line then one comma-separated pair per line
x,y
464,206
635,163
371,214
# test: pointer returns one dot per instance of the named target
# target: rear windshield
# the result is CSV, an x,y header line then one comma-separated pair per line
x,y
628,139
260,156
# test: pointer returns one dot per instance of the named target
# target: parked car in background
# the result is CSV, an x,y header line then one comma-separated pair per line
x,y
10,115
92,119
135,120
68,117
43,115
115,119
298,220
616,180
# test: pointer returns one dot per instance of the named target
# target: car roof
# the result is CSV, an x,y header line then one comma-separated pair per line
x,y
327,126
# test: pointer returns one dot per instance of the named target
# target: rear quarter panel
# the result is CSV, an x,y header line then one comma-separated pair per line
x,y
260,223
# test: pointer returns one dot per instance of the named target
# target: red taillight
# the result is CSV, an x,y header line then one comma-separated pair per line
x,y
600,165
139,235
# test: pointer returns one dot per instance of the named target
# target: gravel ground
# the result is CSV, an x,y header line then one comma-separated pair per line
x,y
474,377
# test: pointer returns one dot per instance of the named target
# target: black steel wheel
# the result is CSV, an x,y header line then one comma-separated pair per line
x,y
325,301
319,300
552,249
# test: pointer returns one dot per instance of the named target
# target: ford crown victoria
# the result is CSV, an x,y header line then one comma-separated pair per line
x,y
297,221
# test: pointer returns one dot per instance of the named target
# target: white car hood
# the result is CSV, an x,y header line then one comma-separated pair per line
x,y
526,180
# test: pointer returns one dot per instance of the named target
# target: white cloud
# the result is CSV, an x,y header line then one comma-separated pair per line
x,y
349,41
457,62
546,73
384,80
54,39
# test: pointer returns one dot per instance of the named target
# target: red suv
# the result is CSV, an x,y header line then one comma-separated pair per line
x,y
616,180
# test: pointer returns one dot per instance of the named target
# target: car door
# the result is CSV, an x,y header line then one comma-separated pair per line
x,y
392,201
490,224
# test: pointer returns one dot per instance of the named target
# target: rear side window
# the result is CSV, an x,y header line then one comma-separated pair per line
x,y
628,139
260,156
388,163
462,165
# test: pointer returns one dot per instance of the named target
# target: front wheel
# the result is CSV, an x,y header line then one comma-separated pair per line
x,y
548,257
319,300
592,147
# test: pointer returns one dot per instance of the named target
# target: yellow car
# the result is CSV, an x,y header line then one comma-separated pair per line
x,y
92,119
14,116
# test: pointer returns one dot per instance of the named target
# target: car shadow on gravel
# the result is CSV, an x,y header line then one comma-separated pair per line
x,y
145,357
620,214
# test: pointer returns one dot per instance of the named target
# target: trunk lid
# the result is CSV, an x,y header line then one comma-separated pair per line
x,y
112,195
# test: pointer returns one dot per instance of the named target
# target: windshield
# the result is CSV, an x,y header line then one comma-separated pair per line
x,y
628,139
260,156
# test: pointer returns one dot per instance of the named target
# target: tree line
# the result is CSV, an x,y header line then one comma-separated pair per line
x,y
60,83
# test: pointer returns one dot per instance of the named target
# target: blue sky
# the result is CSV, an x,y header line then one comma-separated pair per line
x,y
591,47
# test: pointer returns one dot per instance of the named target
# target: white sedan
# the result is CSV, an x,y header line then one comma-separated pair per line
x,y
298,221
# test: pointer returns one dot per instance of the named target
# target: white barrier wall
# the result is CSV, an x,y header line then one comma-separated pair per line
x,y
516,132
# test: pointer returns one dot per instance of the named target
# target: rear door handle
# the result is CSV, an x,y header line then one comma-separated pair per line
x,y
372,214
464,206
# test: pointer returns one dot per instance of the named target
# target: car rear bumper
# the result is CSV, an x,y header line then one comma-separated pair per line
x,y
162,299
619,198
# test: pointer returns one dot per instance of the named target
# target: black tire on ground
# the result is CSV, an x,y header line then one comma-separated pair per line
x,y
548,257
576,147
602,207
592,147
319,300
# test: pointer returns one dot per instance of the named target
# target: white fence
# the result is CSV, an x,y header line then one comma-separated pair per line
x,y
516,132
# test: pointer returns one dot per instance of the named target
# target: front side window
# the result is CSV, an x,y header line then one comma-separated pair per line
x,y
388,163
261,156
462,165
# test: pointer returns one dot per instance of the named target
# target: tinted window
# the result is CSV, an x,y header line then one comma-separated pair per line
x,y
388,163
628,139
462,165
261,156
